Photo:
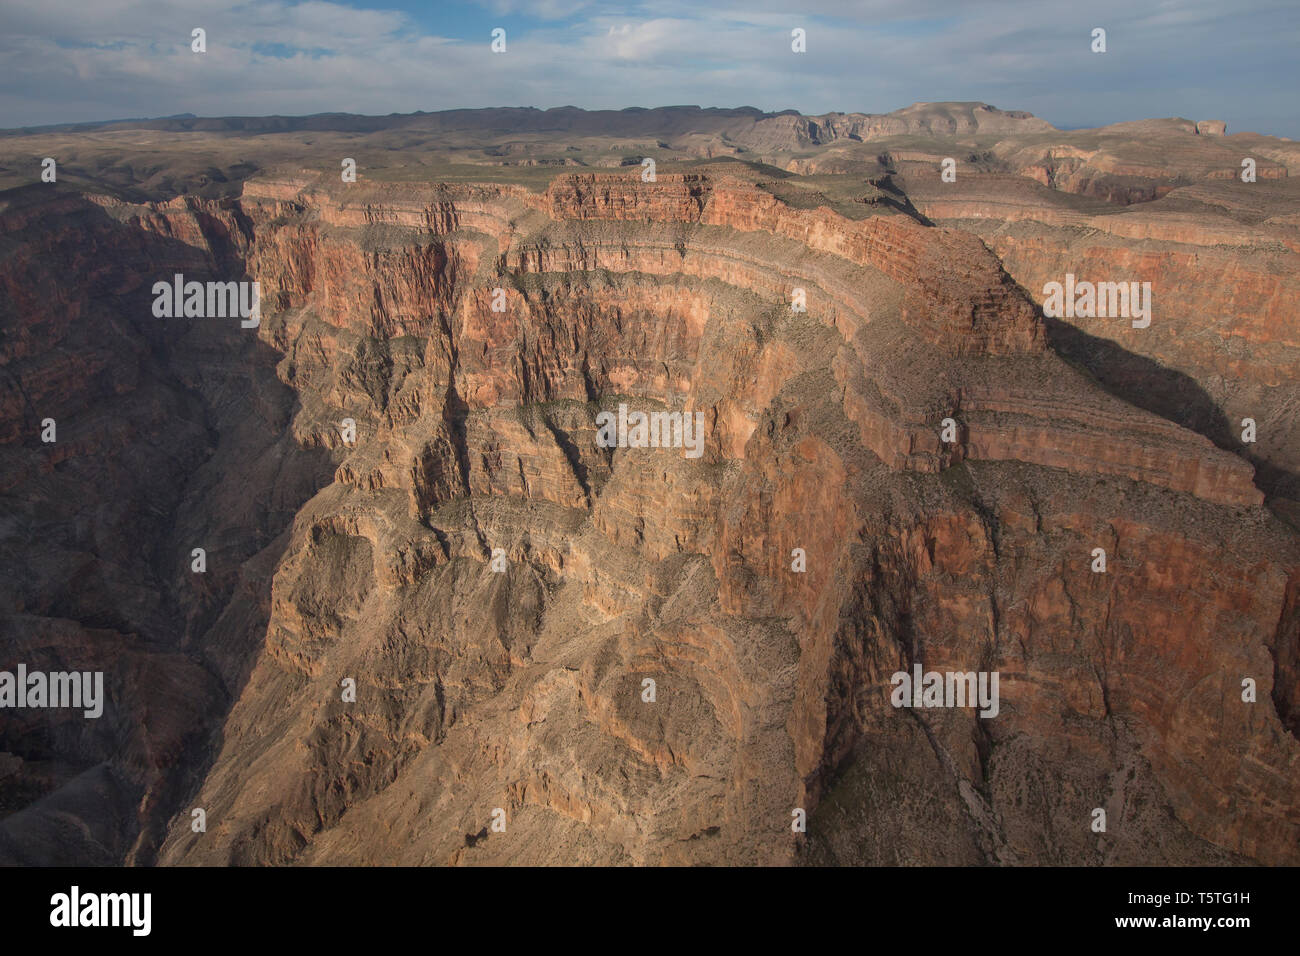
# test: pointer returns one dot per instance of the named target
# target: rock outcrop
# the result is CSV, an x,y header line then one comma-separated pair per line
x,y
470,632
1222,346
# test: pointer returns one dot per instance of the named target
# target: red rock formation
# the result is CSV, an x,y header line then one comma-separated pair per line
x,y
1222,262
523,690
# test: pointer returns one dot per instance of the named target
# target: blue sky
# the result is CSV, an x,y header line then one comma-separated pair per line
x,y
73,60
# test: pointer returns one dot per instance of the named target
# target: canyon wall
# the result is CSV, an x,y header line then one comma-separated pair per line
x,y
499,586
1222,263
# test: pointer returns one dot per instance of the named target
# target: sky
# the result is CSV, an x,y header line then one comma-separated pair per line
x,y
86,60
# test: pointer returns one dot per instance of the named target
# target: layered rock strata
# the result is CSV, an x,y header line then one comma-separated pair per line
x,y
500,586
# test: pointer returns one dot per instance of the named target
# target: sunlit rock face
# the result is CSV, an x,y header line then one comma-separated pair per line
x,y
446,620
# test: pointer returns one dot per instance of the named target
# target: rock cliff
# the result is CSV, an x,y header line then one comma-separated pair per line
x,y
564,652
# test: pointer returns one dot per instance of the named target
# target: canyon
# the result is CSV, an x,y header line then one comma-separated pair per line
x,y
911,470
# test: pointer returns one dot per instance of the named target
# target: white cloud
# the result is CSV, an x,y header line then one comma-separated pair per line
x,y
65,60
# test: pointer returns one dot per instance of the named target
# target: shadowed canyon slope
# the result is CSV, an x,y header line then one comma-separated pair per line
x,y
940,458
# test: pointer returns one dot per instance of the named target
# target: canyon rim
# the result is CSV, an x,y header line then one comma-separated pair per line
x,y
564,487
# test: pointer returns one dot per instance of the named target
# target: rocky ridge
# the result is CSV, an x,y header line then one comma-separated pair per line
x,y
522,690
